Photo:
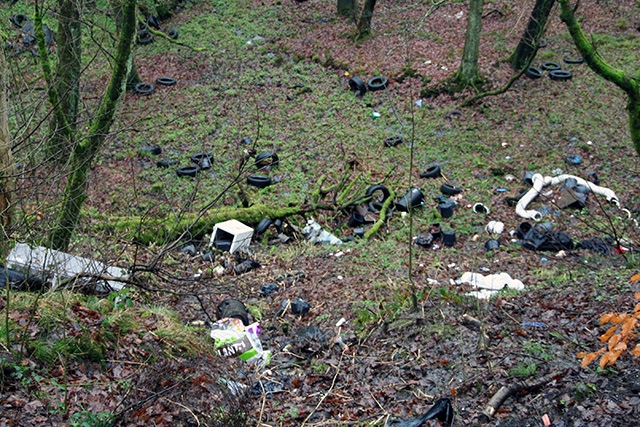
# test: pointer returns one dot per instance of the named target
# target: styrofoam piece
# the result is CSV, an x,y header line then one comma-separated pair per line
x,y
492,282
495,227
239,234
58,266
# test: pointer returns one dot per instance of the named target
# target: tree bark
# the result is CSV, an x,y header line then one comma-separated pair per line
x,y
364,25
527,47
84,152
468,72
67,80
7,165
629,84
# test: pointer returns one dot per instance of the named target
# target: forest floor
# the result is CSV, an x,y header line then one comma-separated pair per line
x,y
275,71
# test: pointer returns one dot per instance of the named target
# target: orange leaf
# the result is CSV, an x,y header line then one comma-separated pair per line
x,y
619,318
637,295
614,356
605,318
590,357
637,308
636,351
605,337
628,326
613,341
605,359
635,278
620,347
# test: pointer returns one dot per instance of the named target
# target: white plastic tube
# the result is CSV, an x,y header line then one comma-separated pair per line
x,y
539,182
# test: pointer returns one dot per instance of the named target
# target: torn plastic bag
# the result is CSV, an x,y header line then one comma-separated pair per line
x,y
233,339
266,387
602,246
314,233
18,280
544,240
441,409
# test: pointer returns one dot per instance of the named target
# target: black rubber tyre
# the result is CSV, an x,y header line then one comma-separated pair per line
x,y
233,308
18,19
155,150
576,60
144,88
374,188
393,141
560,75
263,226
165,81
267,158
357,85
432,172
173,34
551,66
145,40
152,21
449,189
542,43
190,171
378,83
166,163
533,72
259,181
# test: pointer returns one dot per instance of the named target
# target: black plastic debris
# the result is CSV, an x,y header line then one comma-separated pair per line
x,y
425,240
597,244
245,266
543,238
189,249
491,245
300,307
266,387
268,289
356,219
512,201
208,256
413,198
441,409
18,280
446,208
449,238
593,177
233,308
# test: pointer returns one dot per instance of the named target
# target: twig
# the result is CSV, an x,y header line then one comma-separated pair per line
x,y
187,408
498,399
333,383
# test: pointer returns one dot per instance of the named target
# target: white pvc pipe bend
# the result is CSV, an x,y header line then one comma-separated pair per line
x,y
539,182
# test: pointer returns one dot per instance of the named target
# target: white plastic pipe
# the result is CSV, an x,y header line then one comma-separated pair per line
x,y
539,182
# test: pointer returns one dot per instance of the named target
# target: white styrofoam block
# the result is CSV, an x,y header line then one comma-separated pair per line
x,y
239,234
60,266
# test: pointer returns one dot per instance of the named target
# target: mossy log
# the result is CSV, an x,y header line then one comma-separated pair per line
x,y
162,230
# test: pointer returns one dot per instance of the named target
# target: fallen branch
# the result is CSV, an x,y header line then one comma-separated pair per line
x,y
505,392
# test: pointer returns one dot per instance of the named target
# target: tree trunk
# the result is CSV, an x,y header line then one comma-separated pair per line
x,y
629,84
528,45
468,72
7,165
84,152
133,77
67,80
364,26
347,8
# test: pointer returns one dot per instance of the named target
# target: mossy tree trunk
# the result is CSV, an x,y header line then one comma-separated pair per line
x,y
7,165
468,72
66,80
629,84
528,45
85,150
133,77
364,25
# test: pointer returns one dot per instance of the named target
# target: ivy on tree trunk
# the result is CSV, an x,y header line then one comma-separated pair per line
x,y
629,84
84,152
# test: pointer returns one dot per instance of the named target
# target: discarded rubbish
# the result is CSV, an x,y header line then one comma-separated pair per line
x,y
494,227
266,387
413,198
57,267
569,198
436,231
573,159
234,231
539,182
314,233
543,259
268,289
491,245
356,219
232,308
441,409
449,238
300,307
446,208
602,246
543,238
501,190
450,189
528,177
425,240
593,177
189,249
419,103
233,339
532,325
432,171
490,284
358,232
375,115
479,208
263,226
18,280
244,266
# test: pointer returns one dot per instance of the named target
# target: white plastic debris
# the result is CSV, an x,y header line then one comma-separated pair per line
x,y
494,227
490,284
60,266
233,339
314,233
